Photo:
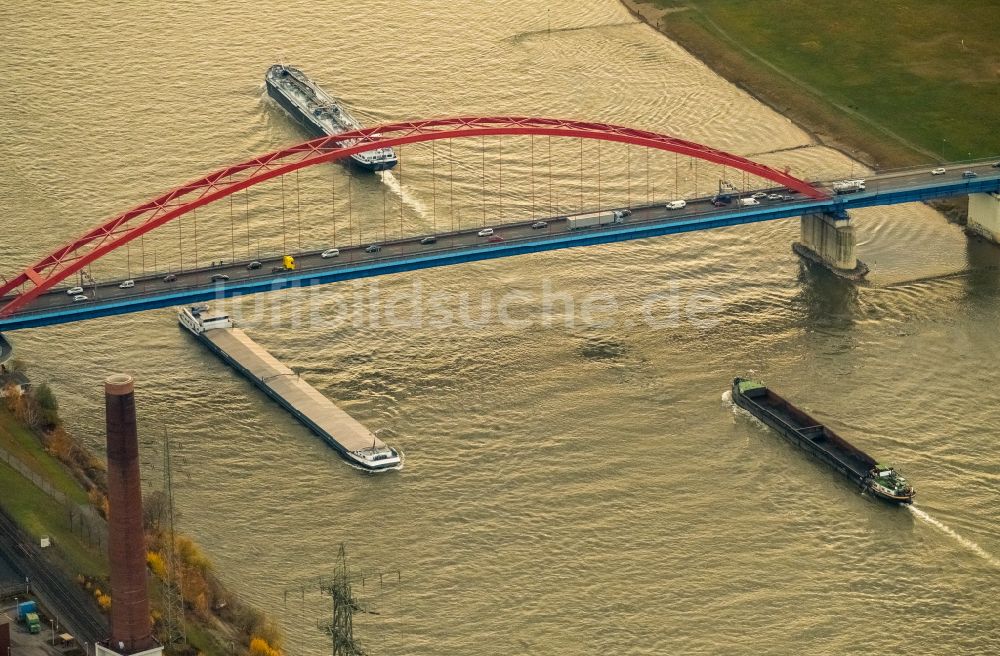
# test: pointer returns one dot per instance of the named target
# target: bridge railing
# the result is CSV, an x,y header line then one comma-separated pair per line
x,y
980,161
785,209
403,256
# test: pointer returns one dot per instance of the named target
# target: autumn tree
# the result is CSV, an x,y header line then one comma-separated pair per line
x,y
260,647
154,510
48,406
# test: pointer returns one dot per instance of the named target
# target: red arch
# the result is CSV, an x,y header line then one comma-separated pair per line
x,y
68,259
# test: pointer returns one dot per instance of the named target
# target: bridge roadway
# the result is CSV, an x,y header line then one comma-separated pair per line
x,y
151,291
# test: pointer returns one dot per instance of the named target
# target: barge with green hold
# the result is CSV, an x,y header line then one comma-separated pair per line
x,y
805,432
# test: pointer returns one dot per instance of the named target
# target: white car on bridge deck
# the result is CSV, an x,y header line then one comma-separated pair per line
x,y
676,204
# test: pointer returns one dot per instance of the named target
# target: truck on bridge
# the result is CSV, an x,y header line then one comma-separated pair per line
x,y
593,219
848,186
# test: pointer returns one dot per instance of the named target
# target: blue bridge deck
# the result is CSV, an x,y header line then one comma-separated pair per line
x,y
409,255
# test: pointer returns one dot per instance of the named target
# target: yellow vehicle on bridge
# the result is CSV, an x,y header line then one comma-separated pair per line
x,y
289,263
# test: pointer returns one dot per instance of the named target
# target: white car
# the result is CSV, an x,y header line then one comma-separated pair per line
x,y
938,171
128,284
486,232
79,297
776,197
676,204
760,194
330,252
73,291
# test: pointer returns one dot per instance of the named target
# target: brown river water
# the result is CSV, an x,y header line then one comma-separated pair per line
x,y
574,481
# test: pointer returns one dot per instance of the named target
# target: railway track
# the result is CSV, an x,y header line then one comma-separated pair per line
x,y
73,609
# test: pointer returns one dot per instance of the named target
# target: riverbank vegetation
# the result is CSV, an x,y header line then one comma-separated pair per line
x,y
891,83
65,477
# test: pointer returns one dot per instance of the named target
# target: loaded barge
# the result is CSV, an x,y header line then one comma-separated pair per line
x,y
321,114
805,432
350,438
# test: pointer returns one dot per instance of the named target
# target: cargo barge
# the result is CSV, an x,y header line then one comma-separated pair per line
x,y
805,432
359,446
321,114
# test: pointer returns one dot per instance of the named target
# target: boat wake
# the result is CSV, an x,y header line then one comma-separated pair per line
x,y
390,180
727,402
947,530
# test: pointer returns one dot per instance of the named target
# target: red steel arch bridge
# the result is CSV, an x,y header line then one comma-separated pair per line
x,y
36,294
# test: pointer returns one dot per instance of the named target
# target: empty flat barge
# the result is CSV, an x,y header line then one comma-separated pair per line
x,y
358,445
805,432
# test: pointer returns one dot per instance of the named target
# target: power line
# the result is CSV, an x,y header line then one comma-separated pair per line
x,y
173,595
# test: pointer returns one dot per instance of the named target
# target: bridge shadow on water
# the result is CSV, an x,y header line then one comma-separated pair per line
x,y
825,300
828,303
983,279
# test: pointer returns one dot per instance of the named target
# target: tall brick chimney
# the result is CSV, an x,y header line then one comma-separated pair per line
x,y
131,628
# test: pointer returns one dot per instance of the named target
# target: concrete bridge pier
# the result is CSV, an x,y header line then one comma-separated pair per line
x,y
828,240
984,216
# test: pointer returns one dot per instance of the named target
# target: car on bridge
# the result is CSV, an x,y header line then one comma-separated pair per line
x,y
73,291
330,252
538,225
938,171
676,204
995,165
495,239
127,284
170,277
80,297
373,248
253,266
969,174
776,197
486,232
220,277
428,240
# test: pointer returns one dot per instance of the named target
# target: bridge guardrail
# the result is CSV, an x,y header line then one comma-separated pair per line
x,y
979,161
305,274
791,206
